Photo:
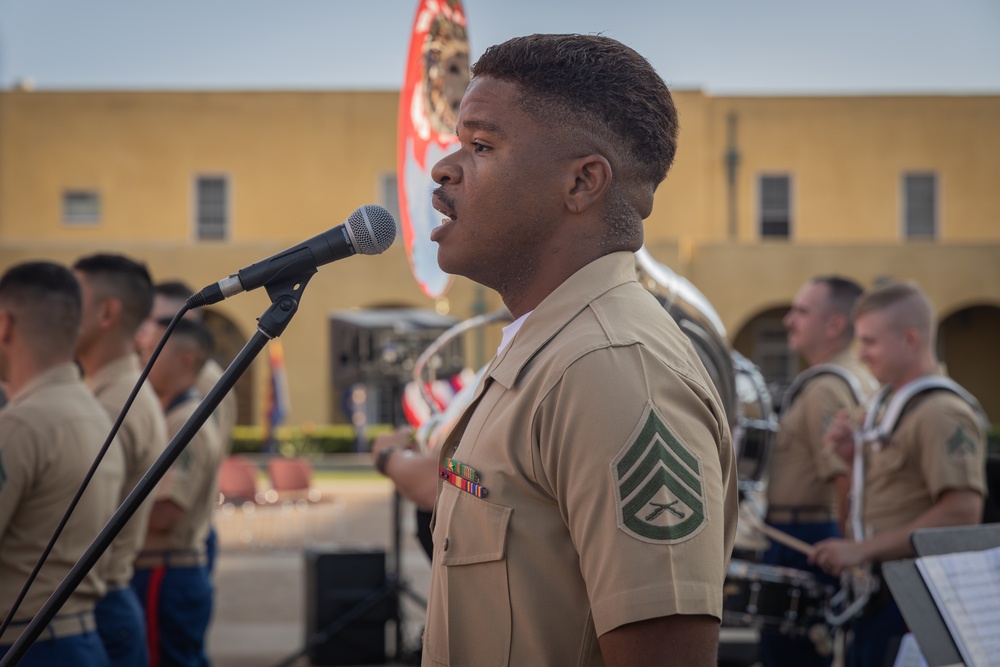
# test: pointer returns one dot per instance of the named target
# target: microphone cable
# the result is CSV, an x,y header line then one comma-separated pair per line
x,y
93,470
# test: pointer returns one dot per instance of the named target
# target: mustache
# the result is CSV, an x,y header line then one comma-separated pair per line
x,y
440,193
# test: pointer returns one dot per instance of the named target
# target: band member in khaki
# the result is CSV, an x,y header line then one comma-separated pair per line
x,y
807,482
930,471
169,297
51,432
117,297
171,577
586,507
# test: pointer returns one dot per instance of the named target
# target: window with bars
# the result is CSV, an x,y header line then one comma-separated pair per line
x,y
81,207
775,206
211,208
777,363
920,205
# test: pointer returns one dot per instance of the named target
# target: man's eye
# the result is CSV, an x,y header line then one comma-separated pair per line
x,y
478,147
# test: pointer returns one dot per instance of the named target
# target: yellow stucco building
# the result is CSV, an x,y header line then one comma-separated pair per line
x,y
765,193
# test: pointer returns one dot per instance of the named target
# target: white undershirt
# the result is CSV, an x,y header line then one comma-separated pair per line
x,y
510,330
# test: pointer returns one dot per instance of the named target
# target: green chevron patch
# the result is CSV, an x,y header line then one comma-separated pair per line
x,y
959,443
659,489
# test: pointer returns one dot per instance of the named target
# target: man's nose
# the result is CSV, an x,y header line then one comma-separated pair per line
x,y
446,170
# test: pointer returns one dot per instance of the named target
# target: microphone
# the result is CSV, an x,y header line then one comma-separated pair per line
x,y
369,231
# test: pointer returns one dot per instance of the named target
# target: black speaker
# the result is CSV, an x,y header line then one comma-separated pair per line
x,y
347,588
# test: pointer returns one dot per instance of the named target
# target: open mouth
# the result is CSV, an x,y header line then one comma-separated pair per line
x,y
444,205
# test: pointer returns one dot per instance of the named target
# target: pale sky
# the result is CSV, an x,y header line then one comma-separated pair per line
x,y
721,46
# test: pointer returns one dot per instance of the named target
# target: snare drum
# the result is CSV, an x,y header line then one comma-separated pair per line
x,y
766,596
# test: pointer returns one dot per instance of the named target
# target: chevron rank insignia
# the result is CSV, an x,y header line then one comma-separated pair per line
x,y
960,443
659,489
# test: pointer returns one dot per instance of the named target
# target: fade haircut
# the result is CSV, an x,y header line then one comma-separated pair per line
x,y
193,335
843,295
124,279
45,300
175,293
606,98
909,306
174,289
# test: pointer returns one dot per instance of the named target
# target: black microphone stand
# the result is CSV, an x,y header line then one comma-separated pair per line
x,y
284,293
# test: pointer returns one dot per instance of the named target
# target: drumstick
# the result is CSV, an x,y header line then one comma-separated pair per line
x,y
777,535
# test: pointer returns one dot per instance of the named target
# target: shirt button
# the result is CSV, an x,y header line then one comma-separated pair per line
x,y
444,547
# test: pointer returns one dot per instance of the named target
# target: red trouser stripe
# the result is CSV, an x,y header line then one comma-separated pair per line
x,y
153,614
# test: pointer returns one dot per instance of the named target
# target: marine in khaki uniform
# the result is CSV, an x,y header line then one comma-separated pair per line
x,y
117,297
586,509
171,577
50,434
807,482
169,297
930,471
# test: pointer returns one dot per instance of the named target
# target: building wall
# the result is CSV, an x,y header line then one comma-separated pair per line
x,y
301,162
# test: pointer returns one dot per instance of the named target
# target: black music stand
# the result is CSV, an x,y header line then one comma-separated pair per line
x,y
914,599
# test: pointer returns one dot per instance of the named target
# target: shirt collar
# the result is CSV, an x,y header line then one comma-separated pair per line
x,y
64,373
558,309
107,373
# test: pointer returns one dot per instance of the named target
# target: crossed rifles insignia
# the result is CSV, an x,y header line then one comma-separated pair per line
x,y
659,490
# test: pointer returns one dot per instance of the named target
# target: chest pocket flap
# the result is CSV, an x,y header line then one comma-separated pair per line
x,y
476,530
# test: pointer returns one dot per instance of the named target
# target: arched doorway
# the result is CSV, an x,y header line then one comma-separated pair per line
x,y
229,340
764,341
967,344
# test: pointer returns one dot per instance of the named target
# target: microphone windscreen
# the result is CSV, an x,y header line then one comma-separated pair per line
x,y
372,229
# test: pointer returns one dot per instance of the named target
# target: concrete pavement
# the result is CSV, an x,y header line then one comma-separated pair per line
x,y
260,591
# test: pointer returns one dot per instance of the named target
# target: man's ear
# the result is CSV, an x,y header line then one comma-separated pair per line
x,y
109,312
591,181
6,326
836,324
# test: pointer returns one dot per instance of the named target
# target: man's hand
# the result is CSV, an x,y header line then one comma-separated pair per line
x,y
835,555
401,438
839,436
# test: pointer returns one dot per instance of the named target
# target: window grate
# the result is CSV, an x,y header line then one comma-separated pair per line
x,y
81,206
775,206
211,208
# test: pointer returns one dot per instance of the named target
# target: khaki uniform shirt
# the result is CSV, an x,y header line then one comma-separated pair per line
x,y
802,469
610,479
225,414
191,482
50,435
938,445
143,437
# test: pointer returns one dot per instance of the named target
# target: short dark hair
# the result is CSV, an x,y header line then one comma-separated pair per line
x,y
605,88
174,289
125,279
46,299
844,293
192,333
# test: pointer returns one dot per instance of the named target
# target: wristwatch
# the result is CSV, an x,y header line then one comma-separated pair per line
x,y
382,460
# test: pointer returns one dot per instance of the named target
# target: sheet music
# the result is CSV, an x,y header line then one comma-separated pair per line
x,y
966,588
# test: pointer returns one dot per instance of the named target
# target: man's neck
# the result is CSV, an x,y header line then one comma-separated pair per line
x,y
27,369
827,352
107,350
171,394
925,368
